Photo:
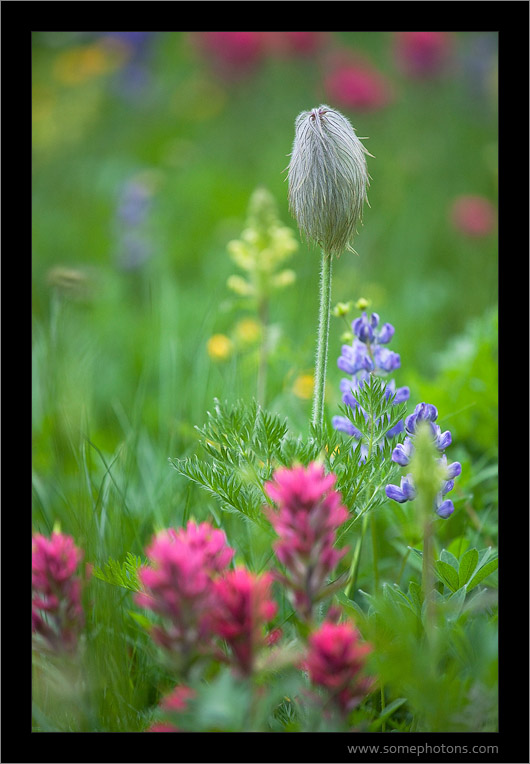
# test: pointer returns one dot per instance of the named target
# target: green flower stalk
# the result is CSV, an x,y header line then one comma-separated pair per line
x,y
428,474
264,246
328,179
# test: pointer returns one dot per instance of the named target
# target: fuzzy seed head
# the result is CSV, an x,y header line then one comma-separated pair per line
x,y
327,178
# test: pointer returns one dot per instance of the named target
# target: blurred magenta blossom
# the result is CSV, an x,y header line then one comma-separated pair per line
x,y
233,55
473,215
357,85
57,613
179,586
308,516
422,54
241,608
171,705
335,660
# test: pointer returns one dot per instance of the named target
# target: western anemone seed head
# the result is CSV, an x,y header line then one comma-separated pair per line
x,y
327,179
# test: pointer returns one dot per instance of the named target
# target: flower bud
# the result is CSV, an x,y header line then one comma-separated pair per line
x,y
327,179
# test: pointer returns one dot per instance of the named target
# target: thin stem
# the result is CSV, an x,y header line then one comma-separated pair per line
x,y
263,313
373,531
354,567
427,578
322,343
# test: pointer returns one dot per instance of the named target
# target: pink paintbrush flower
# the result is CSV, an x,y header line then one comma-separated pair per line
x,y
242,607
308,516
57,613
335,660
179,584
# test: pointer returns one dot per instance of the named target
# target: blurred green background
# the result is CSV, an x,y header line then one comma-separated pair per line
x,y
146,150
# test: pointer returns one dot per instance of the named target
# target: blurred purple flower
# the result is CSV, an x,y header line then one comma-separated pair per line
x,y
134,246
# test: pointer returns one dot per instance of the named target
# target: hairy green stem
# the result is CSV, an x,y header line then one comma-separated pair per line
x,y
322,343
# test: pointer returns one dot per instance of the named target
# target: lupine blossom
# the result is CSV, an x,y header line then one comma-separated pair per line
x,y
180,585
308,516
57,613
368,355
402,454
241,607
335,660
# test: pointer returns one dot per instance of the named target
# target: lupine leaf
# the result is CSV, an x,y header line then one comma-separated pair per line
x,y
468,564
447,574
482,573
446,556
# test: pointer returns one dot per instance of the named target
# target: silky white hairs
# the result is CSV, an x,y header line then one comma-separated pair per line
x,y
327,178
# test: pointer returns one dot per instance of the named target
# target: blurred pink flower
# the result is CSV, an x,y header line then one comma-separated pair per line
x,y
177,700
163,727
56,591
231,54
179,585
422,54
335,660
170,705
241,609
357,85
309,513
291,44
473,215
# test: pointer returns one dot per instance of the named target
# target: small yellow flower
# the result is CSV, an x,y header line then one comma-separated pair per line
x,y
303,386
248,331
362,303
219,347
240,286
342,309
79,64
284,278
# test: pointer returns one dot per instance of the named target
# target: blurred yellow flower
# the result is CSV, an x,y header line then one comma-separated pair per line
x,y
239,285
303,386
219,347
76,65
248,331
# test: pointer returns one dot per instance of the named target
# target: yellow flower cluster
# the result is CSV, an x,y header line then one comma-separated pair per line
x,y
264,245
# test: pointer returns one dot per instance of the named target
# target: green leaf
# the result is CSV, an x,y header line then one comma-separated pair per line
x,y
125,575
482,573
447,574
446,556
468,563
454,603
140,619
458,546
386,712
415,595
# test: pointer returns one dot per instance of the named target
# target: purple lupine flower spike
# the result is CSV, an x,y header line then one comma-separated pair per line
x,y
402,454
367,355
